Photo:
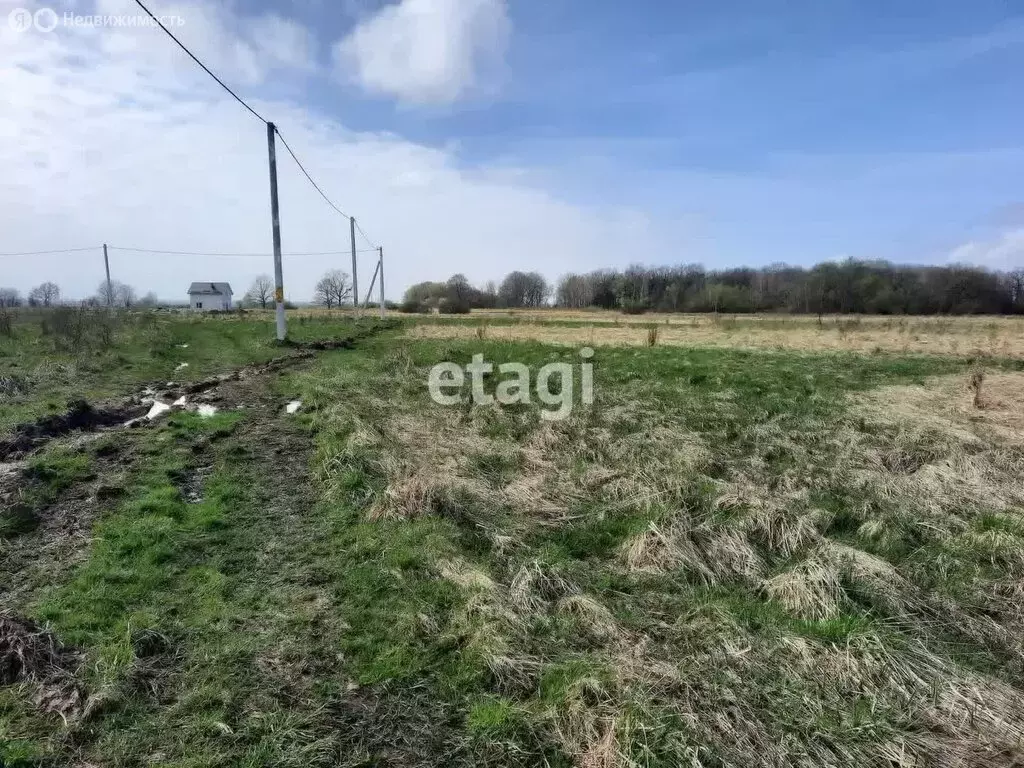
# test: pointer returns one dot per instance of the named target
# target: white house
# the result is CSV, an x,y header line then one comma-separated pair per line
x,y
207,297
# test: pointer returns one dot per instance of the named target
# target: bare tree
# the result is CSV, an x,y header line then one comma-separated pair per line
x,y
333,290
9,297
45,294
149,300
116,294
261,291
574,291
125,295
523,289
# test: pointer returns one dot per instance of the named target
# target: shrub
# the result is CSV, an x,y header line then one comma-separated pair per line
x,y
632,307
454,307
412,307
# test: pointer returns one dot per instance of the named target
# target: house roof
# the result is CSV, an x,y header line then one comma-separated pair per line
x,y
210,289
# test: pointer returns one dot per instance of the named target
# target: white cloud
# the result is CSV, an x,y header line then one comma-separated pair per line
x,y
115,136
426,51
1004,252
283,41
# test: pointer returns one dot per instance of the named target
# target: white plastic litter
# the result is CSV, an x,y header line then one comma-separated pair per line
x,y
183,346
293,406
181,366
157,410
206,411
180,402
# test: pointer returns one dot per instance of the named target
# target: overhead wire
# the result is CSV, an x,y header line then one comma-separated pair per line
x,y
241,101
192,56
232,254
59,250
315,185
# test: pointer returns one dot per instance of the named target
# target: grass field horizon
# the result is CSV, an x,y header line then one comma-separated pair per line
x,y
749,553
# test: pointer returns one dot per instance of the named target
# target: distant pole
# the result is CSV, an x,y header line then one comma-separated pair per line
x,y
355,268
110,290
380,256
275,216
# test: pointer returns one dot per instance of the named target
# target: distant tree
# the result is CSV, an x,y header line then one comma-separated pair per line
x,y
9,297
333,289
574,291
523,289
125,295
116,295
44,295
149,300
261,291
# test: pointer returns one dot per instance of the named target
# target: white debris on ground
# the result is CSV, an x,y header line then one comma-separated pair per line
x,y
158,410
183,346
293,406
181,366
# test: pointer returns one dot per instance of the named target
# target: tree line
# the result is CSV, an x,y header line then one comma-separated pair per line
x,y
48,294
851,286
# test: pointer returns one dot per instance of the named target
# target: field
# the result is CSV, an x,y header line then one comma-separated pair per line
x,y
766,542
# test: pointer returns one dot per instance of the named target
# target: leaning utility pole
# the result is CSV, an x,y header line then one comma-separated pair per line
x,y
275,216
355,267
110,290
380,257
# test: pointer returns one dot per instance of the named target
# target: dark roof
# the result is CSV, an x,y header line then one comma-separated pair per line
x,y
211,289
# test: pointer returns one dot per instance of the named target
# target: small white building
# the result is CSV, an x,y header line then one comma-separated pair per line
x,y
207,297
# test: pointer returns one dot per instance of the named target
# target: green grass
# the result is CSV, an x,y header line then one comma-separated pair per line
x,y
381,580
135,349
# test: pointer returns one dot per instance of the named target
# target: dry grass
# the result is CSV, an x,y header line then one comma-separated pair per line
x,y
762,612
947,404
961,336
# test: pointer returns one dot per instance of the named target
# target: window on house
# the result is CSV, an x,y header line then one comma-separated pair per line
x,y
199,305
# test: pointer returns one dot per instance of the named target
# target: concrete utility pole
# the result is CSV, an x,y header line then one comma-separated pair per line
x,y
380,257
275,216
355,267
110,290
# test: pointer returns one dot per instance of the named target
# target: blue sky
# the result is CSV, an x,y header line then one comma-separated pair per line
x,y
826,129
487,135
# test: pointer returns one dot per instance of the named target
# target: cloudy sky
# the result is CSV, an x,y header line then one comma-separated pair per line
x,y
481,136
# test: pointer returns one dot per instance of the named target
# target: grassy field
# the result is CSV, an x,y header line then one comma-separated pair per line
x,y
969,336
733,557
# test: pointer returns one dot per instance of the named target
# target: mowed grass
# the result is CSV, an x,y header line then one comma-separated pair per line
x,y
730,558
52,356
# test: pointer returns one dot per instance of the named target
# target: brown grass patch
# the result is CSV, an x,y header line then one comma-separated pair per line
x,y
963,337
33,655
946,403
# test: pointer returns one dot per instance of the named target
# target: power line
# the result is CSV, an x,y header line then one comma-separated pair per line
x,y
62,250
303,169
197,61
252,255
369,242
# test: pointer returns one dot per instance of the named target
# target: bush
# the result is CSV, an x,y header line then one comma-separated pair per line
x,y
413,307
454,307
6,323
635,307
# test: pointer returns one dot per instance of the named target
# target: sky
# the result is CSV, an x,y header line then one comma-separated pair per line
x,y
482,136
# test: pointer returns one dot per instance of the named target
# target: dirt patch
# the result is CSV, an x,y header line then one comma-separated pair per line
x,y
31,654
47,540
80,415
131,411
